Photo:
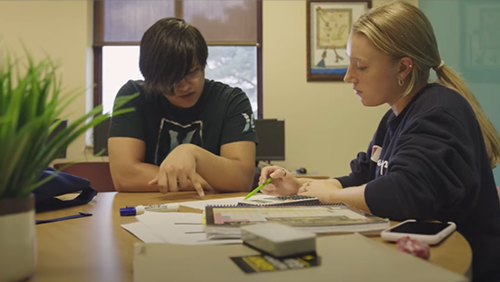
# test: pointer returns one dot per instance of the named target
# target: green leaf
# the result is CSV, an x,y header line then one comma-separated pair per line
x,y
31,103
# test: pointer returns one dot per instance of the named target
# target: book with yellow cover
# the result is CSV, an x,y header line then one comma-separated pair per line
x,y
224,221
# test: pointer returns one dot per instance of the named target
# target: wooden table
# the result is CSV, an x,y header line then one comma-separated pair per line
x,y
98,249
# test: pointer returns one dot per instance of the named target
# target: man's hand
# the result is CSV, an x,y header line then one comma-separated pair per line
x,y
179,170
201,180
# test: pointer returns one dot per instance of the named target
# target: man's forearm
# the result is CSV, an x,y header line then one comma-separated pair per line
x,y
136,177
221,173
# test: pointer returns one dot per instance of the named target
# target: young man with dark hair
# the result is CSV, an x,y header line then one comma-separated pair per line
x,y
186,132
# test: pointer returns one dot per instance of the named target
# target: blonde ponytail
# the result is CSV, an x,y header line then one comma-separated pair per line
x,y
448,78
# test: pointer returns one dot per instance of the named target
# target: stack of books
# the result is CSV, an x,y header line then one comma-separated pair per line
x,y
223,222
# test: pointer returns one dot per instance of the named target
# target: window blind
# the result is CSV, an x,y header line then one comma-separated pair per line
x,y
232,22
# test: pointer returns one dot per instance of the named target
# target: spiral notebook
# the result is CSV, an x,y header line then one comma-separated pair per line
x,y
224,222
280,200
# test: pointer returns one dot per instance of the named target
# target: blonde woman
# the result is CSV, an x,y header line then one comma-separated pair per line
x,y
432,154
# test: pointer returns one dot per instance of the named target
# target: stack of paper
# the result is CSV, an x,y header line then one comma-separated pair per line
x,y
179,227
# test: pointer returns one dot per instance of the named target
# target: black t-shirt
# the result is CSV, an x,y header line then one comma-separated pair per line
x,y
430,162
222,115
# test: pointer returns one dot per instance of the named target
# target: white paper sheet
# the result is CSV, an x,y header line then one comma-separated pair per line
x,y
142,232
174,228
179,227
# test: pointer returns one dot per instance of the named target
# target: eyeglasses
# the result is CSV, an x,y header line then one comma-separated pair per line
x,y
190,77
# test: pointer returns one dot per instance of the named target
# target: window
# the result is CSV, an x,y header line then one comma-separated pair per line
x,y
232,30
233,65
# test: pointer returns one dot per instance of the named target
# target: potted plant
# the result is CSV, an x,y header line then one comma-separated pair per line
x,y
31,104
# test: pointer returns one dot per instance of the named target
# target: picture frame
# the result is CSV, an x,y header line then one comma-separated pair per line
x,y
328,27
480,40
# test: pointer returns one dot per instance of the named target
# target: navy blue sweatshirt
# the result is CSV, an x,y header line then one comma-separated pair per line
x,y
430,163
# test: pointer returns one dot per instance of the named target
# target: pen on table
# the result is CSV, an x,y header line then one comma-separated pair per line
x,y
80,214
258,188
137,210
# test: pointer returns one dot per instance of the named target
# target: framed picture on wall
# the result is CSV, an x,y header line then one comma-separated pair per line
x,y
328,27
480,38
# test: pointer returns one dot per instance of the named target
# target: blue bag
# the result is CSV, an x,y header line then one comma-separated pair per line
x,y
62,183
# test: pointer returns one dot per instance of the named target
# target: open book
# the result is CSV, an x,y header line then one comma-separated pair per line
x,y
225,221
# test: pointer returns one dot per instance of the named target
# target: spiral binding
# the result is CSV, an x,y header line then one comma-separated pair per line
x,y
295,197
294,204
296,200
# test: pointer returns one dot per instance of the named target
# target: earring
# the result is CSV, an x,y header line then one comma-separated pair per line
x,y
401,82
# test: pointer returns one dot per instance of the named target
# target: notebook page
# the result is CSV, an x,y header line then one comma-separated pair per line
x,y
200,205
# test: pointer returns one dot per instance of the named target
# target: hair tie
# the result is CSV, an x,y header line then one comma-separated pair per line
x,y
440,66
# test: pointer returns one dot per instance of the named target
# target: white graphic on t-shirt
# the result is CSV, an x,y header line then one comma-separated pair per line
x,y
249,122
171,134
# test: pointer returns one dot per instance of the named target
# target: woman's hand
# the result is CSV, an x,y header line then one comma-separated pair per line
x,y
324,190
283,182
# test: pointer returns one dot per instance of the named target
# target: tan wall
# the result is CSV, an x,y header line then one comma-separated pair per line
x,y
325,123
61,29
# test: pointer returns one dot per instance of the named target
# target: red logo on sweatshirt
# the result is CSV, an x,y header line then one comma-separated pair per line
x,y
375,153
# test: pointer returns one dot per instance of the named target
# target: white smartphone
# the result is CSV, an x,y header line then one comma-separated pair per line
x,y
427,231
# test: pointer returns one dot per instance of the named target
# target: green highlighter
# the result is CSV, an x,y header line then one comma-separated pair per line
x,y
258,188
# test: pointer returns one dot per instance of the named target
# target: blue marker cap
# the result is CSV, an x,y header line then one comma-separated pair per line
x,y
128,211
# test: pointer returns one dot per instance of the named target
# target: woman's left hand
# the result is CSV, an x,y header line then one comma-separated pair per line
x,y
324,190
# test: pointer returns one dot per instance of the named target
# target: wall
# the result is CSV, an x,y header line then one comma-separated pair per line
x,y
326,125
450,29
60,29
